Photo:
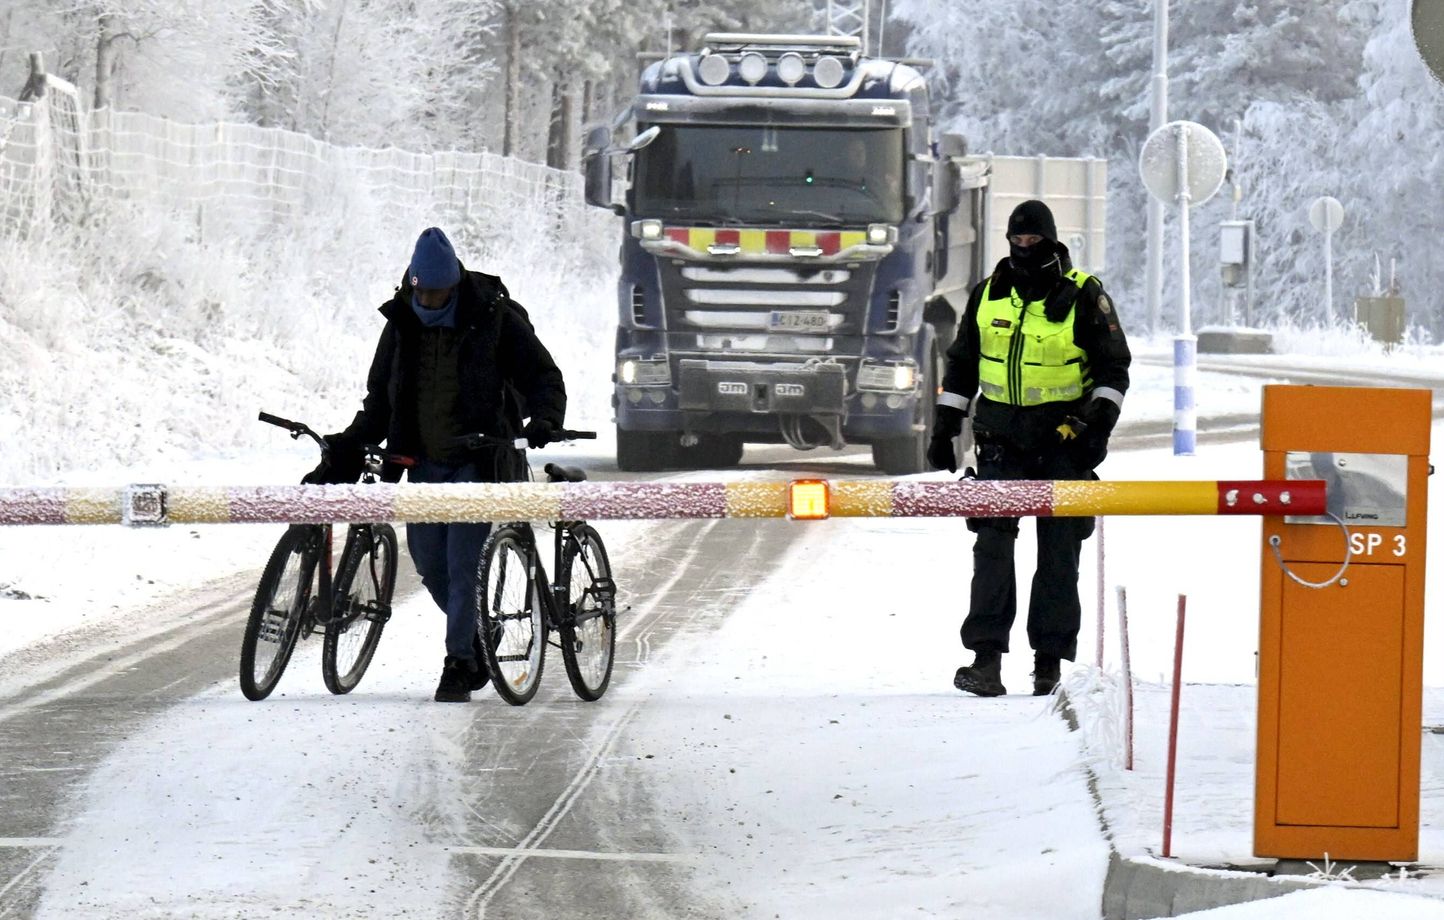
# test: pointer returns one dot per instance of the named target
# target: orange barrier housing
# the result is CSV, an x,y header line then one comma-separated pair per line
x,y
1341,667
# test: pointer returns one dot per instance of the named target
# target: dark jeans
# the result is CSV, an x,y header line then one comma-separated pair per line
x,y
447,558
1053,608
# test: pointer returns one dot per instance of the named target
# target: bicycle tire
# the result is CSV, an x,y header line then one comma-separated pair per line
x,y
364,584
588,630
278,610
510,614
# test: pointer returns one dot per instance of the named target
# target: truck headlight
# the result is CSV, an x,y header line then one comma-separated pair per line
x,y
647,229
887,378
645,372
881,234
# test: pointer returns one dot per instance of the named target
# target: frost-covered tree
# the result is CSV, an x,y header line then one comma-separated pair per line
x,y
170,57
374,72
1314,88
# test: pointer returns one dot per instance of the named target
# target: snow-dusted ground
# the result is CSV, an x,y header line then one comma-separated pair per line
x,y
865,782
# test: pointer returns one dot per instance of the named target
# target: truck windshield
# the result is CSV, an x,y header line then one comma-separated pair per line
x,y
752,174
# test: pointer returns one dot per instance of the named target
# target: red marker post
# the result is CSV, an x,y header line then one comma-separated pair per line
x,y
1173,731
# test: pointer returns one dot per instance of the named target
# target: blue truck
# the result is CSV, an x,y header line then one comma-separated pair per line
x,y
797,246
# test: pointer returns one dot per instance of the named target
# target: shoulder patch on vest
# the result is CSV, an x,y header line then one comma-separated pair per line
x,y
1105,306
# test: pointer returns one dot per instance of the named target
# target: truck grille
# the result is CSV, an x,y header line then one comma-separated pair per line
x,y
764,303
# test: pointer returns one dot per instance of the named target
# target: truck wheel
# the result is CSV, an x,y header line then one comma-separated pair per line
x,y
645,451
908,455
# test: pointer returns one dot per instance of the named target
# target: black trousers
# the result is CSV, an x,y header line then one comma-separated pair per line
x,y
1054,612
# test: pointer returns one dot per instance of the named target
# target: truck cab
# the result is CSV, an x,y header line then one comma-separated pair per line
x,y
794,243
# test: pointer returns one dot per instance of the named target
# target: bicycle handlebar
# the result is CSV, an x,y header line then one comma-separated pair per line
x,y
296,429
474,441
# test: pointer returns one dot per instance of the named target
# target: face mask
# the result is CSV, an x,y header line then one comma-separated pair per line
x,y
1029,260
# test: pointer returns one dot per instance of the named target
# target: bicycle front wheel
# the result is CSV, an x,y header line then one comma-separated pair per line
x,y
588,630
363,588
278,610
510,615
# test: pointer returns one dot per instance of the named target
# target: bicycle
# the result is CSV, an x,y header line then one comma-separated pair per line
x,y
298,593
518,607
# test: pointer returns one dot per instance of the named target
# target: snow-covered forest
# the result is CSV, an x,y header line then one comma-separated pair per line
x,y
1325,98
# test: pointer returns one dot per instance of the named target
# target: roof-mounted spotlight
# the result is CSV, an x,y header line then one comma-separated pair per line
x,y
791,68
713,69
752,67
827,72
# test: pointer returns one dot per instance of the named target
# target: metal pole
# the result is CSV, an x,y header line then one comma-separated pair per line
x,y
1248,279
1127,679
1157,117
1173,731
1329,274
1185,345
1099,656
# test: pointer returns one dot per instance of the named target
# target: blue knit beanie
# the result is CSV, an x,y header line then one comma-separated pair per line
x,y
434,263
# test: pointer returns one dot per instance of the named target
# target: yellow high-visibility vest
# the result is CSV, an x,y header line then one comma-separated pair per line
x,y
1027,359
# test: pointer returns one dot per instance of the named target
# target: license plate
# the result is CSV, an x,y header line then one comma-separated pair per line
x,y
799,321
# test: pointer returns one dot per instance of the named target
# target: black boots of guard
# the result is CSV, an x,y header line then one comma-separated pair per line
x,y
984,677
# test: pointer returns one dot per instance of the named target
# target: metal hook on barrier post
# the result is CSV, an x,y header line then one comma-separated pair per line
x,y
1275,542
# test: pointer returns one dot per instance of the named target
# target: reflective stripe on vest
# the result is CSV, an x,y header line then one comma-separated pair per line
x,y
1026,359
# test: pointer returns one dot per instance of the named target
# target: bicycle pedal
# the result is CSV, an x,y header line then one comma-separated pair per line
x,y
273,627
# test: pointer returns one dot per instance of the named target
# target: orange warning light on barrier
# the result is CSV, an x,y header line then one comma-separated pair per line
x,y
807,500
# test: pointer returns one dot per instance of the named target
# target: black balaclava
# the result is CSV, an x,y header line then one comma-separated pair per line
x,y
1035,267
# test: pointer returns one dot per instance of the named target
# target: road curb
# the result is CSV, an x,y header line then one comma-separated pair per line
x,y
1141,888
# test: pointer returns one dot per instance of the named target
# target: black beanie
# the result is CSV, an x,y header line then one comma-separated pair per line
x,y
1033,217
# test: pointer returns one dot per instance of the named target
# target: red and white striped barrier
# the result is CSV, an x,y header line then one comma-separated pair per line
x,y
468,502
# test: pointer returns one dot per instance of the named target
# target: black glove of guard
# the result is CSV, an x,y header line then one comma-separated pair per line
x,y
342,464
947,424
538,433
1098,419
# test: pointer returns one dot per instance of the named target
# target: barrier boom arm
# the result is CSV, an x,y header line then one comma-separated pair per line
x,y
469,502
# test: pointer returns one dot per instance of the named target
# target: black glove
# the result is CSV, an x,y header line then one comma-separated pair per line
x,y
1100,415
1096,421
947,424
342,464
538,433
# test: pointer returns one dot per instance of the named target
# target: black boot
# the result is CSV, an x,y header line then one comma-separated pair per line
x,y
1046,673
984,677
458,679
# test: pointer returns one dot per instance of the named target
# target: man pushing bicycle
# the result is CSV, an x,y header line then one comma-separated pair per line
x,y
455,353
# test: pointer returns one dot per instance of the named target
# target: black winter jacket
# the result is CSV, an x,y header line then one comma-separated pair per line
x,y
501,359
1096,329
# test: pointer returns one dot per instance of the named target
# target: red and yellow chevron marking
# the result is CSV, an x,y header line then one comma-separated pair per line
x,y
454,502
766,242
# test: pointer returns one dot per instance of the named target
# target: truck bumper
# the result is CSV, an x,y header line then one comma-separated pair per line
x,y
749,399
767,389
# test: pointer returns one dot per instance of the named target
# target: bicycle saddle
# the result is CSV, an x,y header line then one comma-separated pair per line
x,y
557,473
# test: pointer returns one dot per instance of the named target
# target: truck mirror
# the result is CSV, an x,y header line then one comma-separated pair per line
x,y
945,187
953,145
645,138
597,166
597,140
